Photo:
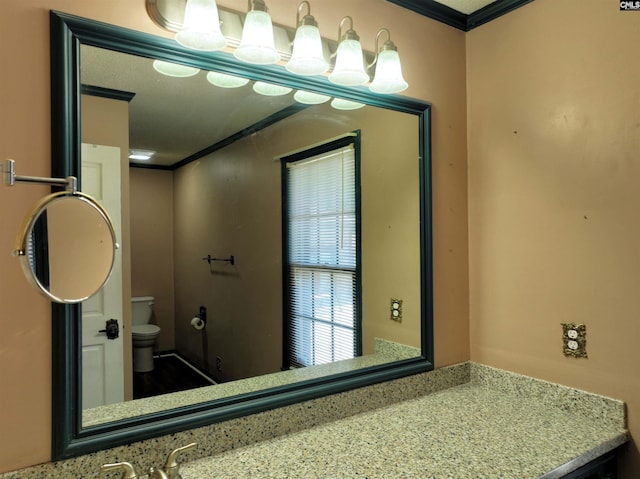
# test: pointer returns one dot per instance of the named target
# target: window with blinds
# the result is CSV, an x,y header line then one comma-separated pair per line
x,y
322,273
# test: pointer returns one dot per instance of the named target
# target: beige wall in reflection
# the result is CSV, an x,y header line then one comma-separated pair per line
x,y
80,248
229,203
151,205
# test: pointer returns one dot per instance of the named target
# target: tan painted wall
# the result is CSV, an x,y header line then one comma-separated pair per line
x,y
152,247
434,58
554,117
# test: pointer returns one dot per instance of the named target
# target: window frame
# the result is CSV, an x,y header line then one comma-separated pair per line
x,y
351,138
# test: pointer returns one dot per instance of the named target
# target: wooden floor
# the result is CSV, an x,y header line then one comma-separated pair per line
x,y
170,374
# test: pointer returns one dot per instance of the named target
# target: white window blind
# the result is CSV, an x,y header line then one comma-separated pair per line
x,y
322,249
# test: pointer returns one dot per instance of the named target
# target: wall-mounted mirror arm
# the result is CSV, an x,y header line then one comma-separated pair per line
x,y
54,261
10,178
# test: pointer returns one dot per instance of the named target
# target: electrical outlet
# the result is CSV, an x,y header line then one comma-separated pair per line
x,y
219,364
574,340
396,309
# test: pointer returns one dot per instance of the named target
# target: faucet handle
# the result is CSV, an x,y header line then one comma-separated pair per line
x,y
128,471
171,466
157,473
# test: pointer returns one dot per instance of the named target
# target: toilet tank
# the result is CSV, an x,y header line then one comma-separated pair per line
x,y
141,309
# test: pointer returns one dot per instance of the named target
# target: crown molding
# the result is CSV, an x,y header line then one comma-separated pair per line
x,y
453,18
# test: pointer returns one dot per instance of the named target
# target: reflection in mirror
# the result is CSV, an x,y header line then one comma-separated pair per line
x,y
211,191
67,247
213,187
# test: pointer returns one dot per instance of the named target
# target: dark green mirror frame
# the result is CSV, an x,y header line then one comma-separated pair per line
x,y
69,437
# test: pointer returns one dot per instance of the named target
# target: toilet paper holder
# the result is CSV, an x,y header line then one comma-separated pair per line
x,y
199,321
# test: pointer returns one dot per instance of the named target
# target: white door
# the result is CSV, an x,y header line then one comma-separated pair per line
x,y
102,358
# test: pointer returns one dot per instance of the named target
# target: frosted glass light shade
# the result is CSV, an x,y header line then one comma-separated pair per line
x,y
310,98
342,104
269,89
349,69
223,80
174,69
388,77
201,27
257,45
307,57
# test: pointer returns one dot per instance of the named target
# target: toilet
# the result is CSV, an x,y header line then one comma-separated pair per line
x,y
144,335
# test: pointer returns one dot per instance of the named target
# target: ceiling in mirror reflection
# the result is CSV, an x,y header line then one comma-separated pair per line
x,y
175,117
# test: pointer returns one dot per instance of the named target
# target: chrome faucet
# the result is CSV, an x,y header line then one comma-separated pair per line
x,y
128,472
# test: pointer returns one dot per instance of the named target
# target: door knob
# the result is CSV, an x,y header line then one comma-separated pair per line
x,y
112,329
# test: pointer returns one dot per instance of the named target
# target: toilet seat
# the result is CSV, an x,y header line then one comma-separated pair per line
x,y
145,329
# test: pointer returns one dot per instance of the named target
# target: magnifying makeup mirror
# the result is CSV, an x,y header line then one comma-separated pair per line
x,y
66,244
67,247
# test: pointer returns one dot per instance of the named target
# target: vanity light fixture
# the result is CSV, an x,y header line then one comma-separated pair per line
x,y
388,70
257,45
174,69
269,89
259,42
224,80
201,27
307,57
349,69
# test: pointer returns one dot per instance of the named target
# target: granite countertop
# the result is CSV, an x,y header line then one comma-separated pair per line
x,y
498,425
465,421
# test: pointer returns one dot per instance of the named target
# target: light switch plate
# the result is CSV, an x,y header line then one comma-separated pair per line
x,y
574,340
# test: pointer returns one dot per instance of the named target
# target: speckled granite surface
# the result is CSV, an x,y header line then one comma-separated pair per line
x,y
469,431
498,425
385,352
463,421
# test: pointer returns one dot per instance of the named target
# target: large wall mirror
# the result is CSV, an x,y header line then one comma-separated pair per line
x,y
205,228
